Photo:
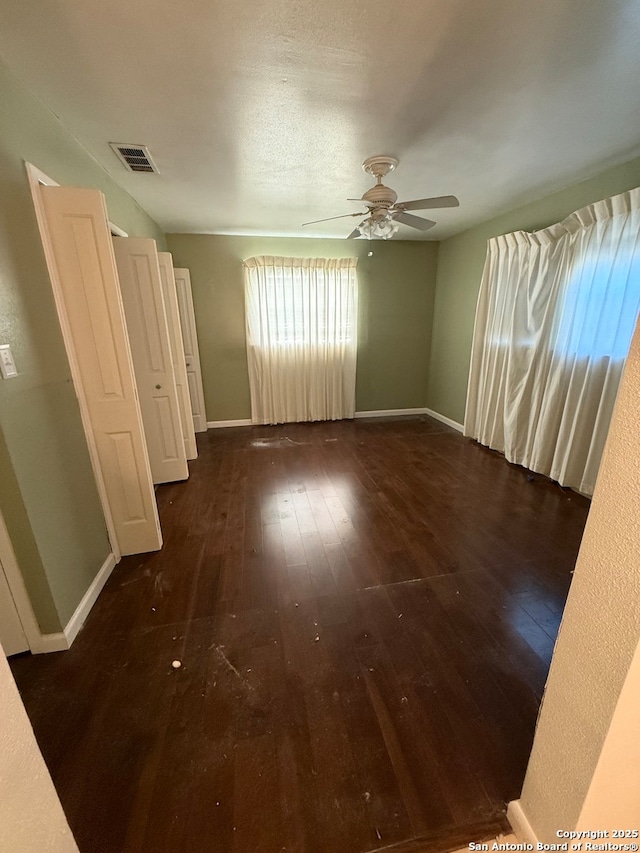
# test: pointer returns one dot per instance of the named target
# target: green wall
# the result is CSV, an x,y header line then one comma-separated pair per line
x,y
460,264
396,291
47,491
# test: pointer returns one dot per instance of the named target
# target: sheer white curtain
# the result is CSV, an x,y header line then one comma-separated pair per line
x,y
301,338
556,313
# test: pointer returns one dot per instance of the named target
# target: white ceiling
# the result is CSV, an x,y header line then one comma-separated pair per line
x,y
260,112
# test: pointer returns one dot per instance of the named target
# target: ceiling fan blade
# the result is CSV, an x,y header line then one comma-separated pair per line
x,y
414,221
343,216
354,233
429,203
363,201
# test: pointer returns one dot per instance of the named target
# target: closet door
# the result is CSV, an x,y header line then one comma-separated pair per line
x,y
177,352
191,352
139,274
85,284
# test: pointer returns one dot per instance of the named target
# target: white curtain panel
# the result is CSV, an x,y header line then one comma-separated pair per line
x,y
301,316
556,313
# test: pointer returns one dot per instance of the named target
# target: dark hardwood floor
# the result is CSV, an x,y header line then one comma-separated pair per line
x,y
364,613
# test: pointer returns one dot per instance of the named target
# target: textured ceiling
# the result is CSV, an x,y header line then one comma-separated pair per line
x,y
259,113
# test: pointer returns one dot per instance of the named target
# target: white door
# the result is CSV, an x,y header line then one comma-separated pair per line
x,y
191,351
12,636
139,273
85,284
177,352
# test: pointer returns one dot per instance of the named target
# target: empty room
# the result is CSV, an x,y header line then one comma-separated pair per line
x,y
319,394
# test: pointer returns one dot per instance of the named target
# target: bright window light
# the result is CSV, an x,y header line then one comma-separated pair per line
x,y
601,303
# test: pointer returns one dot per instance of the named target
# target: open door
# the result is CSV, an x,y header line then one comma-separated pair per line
x,y
191,351
85,285
177,352
139,274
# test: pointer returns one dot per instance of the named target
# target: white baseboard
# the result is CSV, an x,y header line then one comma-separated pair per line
x,y
62,640
444,419
379,413
375,413
390,413
223,424
44,643
520,823
89,599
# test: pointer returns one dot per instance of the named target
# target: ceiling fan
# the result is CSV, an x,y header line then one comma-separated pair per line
x,y
383,211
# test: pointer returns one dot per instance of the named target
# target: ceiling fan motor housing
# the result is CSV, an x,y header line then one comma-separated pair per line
x,y
381,196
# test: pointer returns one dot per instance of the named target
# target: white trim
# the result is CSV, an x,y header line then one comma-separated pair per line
x,y
47,643
59,641
222,424
520,823
18,589
116,231
88,600
376,413
37,176
444,419
390,413
36,179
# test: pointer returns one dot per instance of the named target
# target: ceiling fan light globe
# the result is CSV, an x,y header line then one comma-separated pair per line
x,y
380,227
379,214
366,229
385,229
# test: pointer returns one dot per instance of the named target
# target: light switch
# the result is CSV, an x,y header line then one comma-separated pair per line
x,y
7,364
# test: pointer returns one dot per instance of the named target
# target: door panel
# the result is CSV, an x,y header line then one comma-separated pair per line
x,y
139,273
191,352
177,352
193,387
87,293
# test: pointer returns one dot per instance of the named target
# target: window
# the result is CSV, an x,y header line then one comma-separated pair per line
x,y
601,303
306,310
301,338
556,315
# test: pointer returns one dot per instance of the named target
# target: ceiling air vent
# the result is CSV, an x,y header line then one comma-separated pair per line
x,y
135,157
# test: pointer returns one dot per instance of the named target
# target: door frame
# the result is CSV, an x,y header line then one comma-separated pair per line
x,y
176,344
37,178
184,292
38,642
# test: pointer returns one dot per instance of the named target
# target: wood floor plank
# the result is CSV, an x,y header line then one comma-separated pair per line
x,y
257,824
381,792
